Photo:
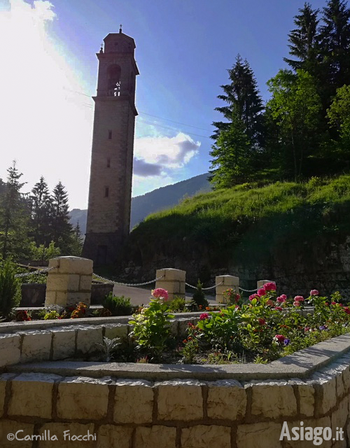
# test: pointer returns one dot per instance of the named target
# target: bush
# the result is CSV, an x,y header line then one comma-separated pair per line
x,y
177,304
198,298
9,289
118,306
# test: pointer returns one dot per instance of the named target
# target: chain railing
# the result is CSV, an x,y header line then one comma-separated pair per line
x,y
128,284
248,290
204,289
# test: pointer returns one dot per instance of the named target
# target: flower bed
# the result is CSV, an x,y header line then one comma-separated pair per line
x,y
266,328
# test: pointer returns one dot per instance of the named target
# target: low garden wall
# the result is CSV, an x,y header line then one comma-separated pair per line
x,y
166,406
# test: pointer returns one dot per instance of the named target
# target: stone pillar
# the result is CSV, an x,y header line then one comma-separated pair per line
x,y
173,281
69,282
227,282
261,283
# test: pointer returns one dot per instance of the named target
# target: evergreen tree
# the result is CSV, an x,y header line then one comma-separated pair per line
x,y
230,154
62,231
335,45
41,207
303,40
14,216
240,138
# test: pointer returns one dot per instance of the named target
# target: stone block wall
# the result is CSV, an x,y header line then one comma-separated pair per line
x,y
180,413
141,406
59,340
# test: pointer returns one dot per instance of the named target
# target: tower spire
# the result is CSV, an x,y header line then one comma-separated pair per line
x,y
120,28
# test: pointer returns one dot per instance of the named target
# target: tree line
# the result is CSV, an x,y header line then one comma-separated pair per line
x,y
35,225
303,130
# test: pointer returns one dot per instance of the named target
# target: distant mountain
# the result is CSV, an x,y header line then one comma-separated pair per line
x,y
156,200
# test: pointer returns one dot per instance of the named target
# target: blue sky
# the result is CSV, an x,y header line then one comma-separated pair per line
x,y
183,51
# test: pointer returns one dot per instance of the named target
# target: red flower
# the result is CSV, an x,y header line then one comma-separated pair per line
x,y
282,298
346,309
279,338
254,296
262,321
204,316
261,292
298,299
314,292
279,308
270,286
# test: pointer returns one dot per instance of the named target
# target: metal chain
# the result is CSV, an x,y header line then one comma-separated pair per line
x,y
204,289
38,271
248,290
128,284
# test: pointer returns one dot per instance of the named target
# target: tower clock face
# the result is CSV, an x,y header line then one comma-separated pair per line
x,y
112,150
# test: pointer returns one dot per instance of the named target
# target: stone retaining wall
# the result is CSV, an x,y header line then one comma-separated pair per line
x,y
131,406
128,413
62,339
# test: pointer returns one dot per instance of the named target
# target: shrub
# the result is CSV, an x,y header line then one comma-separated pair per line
x,y
198,298
118,306
9,289
152,327
177,304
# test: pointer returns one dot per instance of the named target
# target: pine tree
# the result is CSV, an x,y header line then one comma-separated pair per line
x,y
230,154
62,231
303,40
41,207
335,45
240,138
14,216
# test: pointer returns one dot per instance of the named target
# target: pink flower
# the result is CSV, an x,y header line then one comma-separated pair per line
x,y
160,293
296,303
261,292
270,286
204,316
282,298
314,292
254,296
279,308
298,299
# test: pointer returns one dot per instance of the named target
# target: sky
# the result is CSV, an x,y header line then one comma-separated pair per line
x,y
183,51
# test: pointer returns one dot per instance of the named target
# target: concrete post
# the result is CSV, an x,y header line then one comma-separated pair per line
x,y
173,281
69,282
227,282
261,283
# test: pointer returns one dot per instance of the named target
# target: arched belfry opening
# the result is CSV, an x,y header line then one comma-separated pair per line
x,y
108,219
114,82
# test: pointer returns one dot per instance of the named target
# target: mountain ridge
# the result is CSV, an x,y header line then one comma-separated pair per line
x,y
153,201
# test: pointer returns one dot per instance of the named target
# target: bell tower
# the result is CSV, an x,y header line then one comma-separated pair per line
x,y
108,218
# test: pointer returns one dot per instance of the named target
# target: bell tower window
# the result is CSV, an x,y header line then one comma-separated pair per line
x,y
114,82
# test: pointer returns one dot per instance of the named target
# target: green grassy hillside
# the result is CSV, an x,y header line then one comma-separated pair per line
x,y
246,220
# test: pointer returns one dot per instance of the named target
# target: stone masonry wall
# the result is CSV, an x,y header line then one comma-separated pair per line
x,y
145,412
128,413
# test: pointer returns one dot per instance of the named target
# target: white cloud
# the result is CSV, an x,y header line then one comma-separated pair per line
x,y
46,128
170,152
160,160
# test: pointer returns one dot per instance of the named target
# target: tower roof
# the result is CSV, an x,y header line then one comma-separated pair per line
x,y
112,38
